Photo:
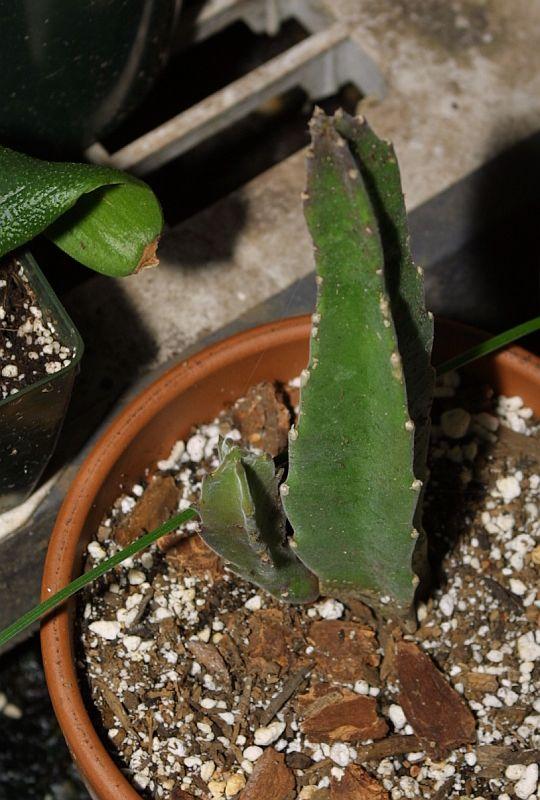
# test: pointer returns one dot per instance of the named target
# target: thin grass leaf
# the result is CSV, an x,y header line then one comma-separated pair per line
x,y
490,346
83,580
106,219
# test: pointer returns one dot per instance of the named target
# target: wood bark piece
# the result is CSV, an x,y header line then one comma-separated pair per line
x,y
481,682
271,779
212,660
270,641
289,688
157,504
180,794
345,651
357,784
493,759
115,705
388,637
391,746
263,419
196,558
438,715
342,715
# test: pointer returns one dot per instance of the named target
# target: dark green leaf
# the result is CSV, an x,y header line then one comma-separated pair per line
x,y
104,218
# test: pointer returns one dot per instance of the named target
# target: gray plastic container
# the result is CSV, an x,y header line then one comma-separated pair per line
x,y
31,420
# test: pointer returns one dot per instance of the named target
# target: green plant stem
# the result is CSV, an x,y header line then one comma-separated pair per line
x,y
490,345
83,580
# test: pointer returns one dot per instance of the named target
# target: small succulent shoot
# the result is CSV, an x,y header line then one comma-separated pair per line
x,y
357,458
244,522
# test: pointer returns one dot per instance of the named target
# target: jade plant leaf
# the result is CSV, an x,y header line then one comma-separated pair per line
x,y
106,219
352,490
244,523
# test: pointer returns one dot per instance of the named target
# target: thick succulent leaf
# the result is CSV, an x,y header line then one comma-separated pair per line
x,y
106,219
376,159
243,522
377,162
351,493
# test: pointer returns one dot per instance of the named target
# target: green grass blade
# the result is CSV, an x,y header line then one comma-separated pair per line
x,y
83,580
490,345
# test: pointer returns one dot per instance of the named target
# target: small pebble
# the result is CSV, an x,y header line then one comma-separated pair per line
x,y
495,656
105,628
527,648
509,488
253,603
339,753
96,551
131,643
216,788
195,447
455,423
515,771
136,577
446,604
235,784
361,687
207,770
397,716
330,609
526,786
269,733
12,711
253,752
517,587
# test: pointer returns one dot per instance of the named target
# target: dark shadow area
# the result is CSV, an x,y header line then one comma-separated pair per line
x,y
34,760
227,161
478,240
457,488
198,69
449,502
117,349
201,242
62,271
457,493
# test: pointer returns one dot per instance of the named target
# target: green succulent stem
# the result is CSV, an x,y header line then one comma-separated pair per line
x,y
357,456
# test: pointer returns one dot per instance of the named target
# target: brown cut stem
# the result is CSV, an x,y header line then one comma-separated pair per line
x,y
149,256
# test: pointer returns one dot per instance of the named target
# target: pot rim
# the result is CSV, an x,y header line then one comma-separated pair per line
x,y
87,749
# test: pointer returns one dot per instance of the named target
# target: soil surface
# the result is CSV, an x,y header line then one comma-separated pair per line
x,y
205,687
29,345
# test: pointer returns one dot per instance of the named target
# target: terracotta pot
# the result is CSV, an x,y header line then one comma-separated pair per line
x,y
191,392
